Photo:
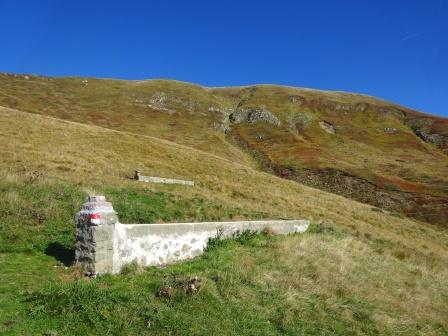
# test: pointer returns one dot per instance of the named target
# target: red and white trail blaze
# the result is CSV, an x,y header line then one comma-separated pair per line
x,y
95,218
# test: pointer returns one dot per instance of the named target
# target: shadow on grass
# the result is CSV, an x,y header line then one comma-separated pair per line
x,y
61,253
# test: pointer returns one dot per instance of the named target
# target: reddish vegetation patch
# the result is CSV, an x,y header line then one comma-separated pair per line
x,y
387,182
309,155
440,126
431,210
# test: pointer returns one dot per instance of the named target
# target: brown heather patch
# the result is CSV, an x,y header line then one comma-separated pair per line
x,y
384,181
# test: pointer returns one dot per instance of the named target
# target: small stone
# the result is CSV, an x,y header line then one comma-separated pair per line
x,y
193,285
390,130
327,127
165,292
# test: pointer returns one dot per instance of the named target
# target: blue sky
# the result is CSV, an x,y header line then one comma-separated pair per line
x,y
394,49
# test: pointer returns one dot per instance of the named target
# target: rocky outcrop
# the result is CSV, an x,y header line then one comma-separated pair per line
x,y
296,100
159,101
254,115
327,127
342,107
223,125
261,114
390,130
361,107
426,136
424,128
391,111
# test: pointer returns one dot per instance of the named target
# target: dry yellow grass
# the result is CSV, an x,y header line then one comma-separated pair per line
x,y
92,155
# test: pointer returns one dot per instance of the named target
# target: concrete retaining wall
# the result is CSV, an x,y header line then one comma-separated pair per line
x,y
111,245
159,244
162,180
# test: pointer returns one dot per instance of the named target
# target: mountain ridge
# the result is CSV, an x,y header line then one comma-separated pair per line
x,y
245,86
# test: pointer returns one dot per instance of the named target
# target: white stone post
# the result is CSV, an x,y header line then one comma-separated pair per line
x,y
95,226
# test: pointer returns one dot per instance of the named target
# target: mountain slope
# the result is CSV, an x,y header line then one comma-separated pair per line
x,y
347,144
353,145
80,154
358,271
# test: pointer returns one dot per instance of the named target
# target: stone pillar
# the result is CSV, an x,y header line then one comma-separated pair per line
x,y
95,226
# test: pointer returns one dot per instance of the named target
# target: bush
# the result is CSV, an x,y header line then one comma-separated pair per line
x,y
215,241
245,237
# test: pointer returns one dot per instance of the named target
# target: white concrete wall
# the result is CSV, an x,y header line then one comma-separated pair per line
x,y
162,180
105,245
160,244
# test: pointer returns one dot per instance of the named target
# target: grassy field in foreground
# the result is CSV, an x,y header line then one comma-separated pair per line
x,y
329,281
359,271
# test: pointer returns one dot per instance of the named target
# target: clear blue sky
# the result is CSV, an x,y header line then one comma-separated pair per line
x,y
394,49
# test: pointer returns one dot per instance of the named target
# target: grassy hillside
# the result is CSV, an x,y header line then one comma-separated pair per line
x,y
348,144
353,145
360,270
169,110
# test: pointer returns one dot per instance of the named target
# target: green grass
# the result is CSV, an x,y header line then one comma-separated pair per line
x,y
37,238
248,288
38,214
325,282
146,206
